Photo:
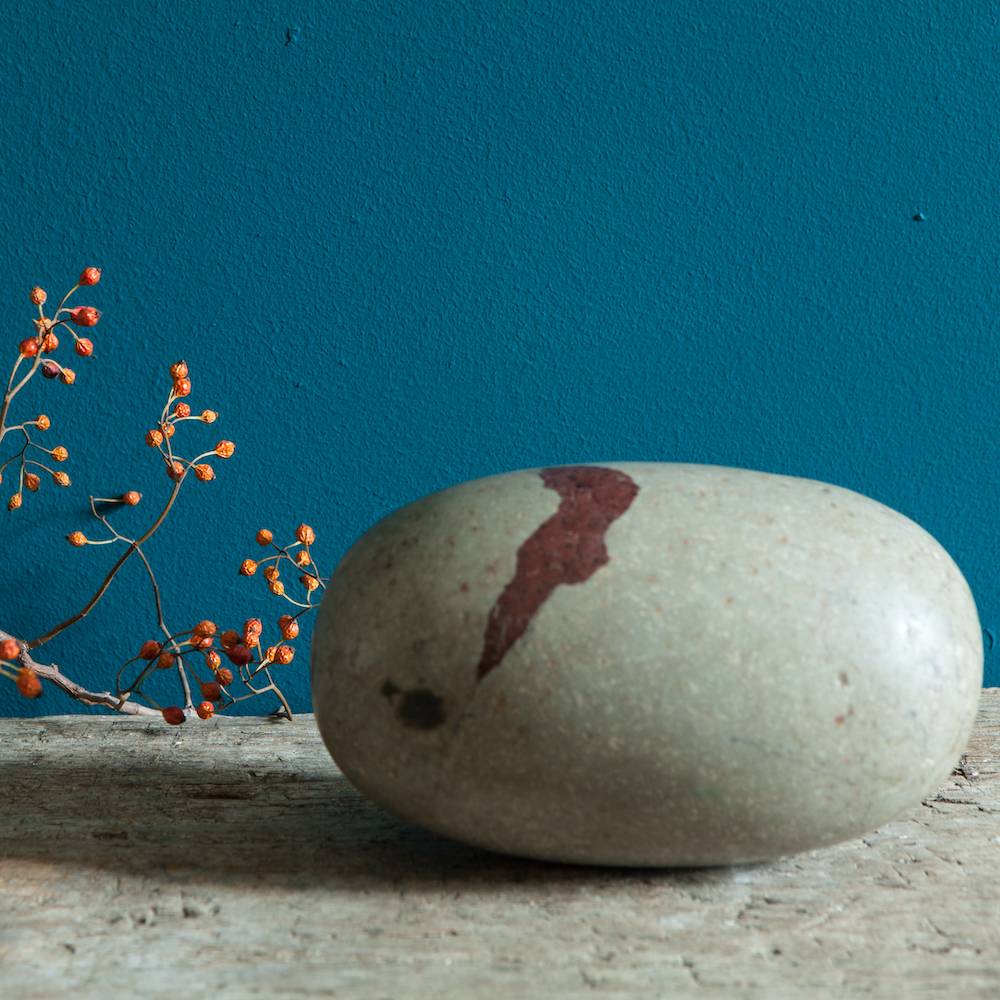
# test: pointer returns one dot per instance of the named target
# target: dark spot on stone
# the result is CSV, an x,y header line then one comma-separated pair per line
x,y
568,548
421,709
464,588
418,646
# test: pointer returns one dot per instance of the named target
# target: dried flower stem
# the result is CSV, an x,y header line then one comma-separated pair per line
x,y
62,626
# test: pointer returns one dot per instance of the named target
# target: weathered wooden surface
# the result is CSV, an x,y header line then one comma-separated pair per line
x,y
231,859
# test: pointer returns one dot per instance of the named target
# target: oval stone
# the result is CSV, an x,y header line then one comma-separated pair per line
x,y
646,664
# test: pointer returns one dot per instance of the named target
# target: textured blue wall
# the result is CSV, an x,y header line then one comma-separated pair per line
x,y
403,245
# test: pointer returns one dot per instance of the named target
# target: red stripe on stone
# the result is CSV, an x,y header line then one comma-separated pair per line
x,y
568,548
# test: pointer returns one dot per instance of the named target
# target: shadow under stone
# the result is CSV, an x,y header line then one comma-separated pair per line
x,y
233,823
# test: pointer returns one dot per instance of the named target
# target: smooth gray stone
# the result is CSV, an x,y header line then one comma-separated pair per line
x,y
646,664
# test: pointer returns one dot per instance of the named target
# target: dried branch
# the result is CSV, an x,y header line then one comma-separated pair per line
x,y
51,672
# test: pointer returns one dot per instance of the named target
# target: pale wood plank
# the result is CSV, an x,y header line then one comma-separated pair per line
x,y
141,860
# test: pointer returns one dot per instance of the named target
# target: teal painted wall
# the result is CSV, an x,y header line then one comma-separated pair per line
x,y
403,245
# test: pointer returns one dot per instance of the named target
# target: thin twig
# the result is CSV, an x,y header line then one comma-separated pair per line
x,y
179,662
53,632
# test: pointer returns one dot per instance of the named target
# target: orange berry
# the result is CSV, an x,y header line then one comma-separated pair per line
x,y
84,315
229,638
271,573
84,347
204,473
14,502
302,558
225,449
77,538
264,537
42,422
212,659
38,296
176,471
178,370
149,650
67,376
253,625
276,587
239,655
167,429
182,387
182,410
283,655
90,276
32,481
250,639
224,676
205,628
174,714
209,416
305,534
154,438
165,661
10,649
132,498
60,478
289,627
211,691
28,683
28,347
49,343
309,582
248,567
205,710
59,454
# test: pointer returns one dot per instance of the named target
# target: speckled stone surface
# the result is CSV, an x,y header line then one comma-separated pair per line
x,y
646,664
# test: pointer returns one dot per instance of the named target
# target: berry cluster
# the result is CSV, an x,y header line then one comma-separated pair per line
x,y
299,557
175,411
177,467
32,349
243,649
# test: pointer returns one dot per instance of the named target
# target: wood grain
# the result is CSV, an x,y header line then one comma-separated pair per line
x,y
231,858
